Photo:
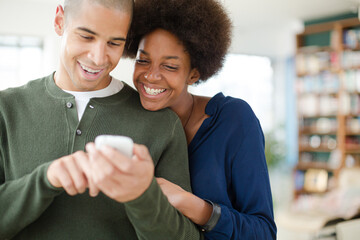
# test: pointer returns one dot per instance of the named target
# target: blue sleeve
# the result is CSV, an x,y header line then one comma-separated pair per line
x,y
251,216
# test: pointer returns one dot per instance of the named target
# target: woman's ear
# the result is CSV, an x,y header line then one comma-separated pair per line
x,y
194,76
59,22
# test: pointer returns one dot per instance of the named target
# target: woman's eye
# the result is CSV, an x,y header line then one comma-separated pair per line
x,y
171,68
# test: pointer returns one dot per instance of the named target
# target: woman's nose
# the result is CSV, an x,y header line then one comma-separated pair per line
x,y
152,75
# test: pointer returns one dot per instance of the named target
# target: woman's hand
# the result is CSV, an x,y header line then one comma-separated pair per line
x,y
193,207
175,194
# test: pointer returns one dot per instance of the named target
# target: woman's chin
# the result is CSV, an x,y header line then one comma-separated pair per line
x,y
151,106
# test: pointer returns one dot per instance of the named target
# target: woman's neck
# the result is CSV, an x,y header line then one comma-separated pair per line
x,y
184,108
192,114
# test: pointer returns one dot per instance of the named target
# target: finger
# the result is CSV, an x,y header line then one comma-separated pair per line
x,y
90,147
98,159
105,178
77,174
52,173
84,164
66,180
114,190
93,189
117,159
141,152
160,180
101,167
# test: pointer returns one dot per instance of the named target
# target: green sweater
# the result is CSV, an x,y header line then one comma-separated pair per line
x,y
37,126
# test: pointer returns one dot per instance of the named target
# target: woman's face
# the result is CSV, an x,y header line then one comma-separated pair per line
x,y
162,71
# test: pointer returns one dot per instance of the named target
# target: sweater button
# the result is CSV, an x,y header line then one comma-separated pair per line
x,y
69,105
78,132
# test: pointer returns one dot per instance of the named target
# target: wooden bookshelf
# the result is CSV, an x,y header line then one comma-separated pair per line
x,y
328,98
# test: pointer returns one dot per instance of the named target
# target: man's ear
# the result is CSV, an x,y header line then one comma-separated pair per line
x,y
194,76
59,22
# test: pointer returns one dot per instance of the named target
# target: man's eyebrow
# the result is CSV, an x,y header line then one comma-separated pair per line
x,y
167,57
94,33
144,52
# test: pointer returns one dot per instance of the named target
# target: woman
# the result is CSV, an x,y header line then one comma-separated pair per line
x,y
183,42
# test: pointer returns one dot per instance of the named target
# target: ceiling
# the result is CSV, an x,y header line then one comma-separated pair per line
x,y
262,27
255,13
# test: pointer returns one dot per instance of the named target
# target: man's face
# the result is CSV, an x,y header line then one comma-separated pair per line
x,y
93,40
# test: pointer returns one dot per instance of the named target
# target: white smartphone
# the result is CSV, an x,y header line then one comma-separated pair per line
x,y
122,143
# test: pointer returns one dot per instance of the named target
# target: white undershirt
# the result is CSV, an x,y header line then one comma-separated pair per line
x,y
82,98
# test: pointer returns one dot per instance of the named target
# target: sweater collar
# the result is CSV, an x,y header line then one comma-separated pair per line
x,y
57,92
54,90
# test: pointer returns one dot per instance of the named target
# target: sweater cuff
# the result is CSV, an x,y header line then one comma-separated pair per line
x,y
214,218
144,199
43,169
224,226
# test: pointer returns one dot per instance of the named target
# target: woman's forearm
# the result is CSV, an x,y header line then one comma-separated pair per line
x,y
195,208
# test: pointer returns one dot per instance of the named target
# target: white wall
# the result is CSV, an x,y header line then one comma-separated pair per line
x,y
35,18
32,19
279,44
272,41
28,17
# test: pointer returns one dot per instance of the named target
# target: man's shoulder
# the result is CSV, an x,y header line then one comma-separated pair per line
x,y
24,94
31,85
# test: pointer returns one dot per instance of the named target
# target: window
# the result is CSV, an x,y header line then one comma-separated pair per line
x,y
21,60
246,77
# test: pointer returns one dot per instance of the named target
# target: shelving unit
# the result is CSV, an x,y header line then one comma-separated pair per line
x,y
328,103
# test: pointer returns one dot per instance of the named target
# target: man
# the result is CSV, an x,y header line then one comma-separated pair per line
x,y
46,124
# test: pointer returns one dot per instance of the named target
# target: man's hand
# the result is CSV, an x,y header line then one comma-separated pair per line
x,y
119,177
72,173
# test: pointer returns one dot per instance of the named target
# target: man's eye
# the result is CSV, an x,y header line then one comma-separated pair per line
x,y
114,44
141,61
86,37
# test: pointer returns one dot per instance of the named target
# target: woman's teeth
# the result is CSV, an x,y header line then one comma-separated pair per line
x,y
153,91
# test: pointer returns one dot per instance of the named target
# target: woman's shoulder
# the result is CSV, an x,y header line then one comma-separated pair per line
x,y
230,107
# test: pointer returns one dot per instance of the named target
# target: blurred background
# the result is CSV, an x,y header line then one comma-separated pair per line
x,y
297,63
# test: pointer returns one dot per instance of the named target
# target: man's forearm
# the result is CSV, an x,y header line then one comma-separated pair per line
x,y
153,217
24,200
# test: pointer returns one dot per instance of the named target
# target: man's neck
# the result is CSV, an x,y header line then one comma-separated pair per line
x,y
63,81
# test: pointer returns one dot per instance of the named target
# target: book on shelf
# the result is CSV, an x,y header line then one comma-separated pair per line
x,y
316,211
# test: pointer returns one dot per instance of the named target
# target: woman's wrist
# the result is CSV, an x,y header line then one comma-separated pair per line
x,y
196,209
214,218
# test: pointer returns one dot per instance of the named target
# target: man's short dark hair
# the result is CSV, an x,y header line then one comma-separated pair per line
x,y
70,6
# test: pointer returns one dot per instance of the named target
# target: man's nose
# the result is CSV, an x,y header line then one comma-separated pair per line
x,y
98,54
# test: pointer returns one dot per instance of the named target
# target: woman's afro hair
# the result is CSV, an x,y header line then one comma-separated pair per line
x,y
202,26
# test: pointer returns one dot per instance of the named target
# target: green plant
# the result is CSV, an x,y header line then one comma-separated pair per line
x,y
274,148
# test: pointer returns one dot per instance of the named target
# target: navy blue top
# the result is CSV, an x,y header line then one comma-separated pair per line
x,y
228,167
